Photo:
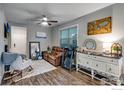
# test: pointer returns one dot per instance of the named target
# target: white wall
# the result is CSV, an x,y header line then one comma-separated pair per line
x,y
31,36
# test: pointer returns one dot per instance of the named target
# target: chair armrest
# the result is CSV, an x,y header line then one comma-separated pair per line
x,y
58,55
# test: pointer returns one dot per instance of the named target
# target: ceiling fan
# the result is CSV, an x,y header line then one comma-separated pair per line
x,y
45,21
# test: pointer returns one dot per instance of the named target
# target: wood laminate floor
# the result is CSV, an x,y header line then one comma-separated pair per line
x,y
59,76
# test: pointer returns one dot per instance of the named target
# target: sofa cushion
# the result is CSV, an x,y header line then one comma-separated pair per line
x,y
52,57
55,56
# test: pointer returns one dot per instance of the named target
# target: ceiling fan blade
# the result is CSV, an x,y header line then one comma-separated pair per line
x,y
36,19
53,21
36,22
49,24
44,15
39,23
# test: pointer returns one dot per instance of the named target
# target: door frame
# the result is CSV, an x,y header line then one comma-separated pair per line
x,y
10,44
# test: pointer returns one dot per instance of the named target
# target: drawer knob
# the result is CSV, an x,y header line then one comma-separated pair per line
x,y
87,62
110,69
97,65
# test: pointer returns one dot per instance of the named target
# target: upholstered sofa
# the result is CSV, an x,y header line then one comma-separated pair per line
x,y
54,57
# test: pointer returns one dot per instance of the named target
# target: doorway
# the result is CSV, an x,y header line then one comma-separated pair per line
x,y
18,40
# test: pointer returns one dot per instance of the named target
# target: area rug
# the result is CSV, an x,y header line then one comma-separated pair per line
x,y
39,67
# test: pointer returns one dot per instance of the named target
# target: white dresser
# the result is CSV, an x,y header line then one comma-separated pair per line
x,y
108,65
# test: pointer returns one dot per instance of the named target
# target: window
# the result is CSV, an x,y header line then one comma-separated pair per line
x,y
68,37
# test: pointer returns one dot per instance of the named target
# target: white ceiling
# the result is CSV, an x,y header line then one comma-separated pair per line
x,y
63,12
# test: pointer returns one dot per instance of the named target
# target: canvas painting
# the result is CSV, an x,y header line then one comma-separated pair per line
x,y
101,26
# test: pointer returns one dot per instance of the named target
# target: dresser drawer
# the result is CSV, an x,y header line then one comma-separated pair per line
x,y
78,54
85,62
114,69
89,63
105,59
99,65
85,56
78,60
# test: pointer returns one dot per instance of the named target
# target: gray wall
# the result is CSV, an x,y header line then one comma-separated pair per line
x,y
117,26
31,36
2,20
117,35
82,24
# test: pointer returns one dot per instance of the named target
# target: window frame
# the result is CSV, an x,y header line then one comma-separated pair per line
x,y
68,27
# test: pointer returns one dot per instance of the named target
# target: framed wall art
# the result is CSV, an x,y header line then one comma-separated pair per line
x,y
41,35
101,26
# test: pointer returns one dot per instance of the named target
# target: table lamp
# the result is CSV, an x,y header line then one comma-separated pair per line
x,y
107,47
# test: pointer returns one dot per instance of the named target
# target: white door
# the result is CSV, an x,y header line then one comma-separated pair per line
x,y
18,39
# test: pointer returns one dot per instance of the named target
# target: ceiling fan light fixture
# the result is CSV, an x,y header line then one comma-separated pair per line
x,y
45,18
44,23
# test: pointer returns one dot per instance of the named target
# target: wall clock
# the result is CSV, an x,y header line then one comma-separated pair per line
x,y
90,44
